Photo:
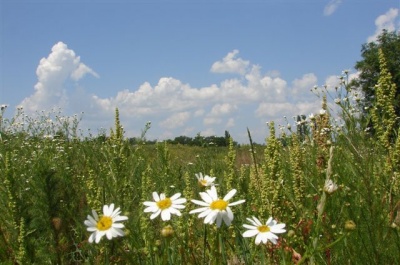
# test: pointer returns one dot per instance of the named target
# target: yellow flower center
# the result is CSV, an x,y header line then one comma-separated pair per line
x,y
164,204
203,182
104,223
263,228
219,205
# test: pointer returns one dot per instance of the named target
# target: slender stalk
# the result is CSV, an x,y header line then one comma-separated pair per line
x,y
106,255
222,247
252,152
205,244
169,253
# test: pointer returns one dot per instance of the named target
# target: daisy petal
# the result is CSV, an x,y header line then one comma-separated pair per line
x,y
91,220
250,233
99,235
229,195
250,226
206,212
206,197
178,206
198,210
219,220
201,203
150,203
256,221
213,193
175,196
92,237
120,218
95,216
259,239
119,232
155,196
229,213
179,201
227,219
151,209
210,218
174,211
165,215
154,215
236,203
118,225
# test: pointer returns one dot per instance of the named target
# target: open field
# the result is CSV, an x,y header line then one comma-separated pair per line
x,y
334,186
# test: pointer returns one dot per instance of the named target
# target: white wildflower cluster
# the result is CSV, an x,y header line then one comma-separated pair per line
x,y
212,208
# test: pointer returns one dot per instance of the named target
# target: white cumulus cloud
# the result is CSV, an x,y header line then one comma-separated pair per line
x,y
176,120
222,109
53,72
230,123
82,70
331,7
301,86
210,120
230,64
386,21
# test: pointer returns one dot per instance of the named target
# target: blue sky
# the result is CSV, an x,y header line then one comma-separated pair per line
x,y
187,66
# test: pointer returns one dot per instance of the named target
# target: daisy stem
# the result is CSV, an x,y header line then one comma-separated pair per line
x,y
205,244
217,251
106,257
334,242
262,255
222,247
169,253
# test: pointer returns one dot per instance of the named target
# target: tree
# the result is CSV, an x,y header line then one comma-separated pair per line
x,y
369,68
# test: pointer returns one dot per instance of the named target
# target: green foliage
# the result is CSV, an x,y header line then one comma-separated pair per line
x,y
52,181
369,66
203,140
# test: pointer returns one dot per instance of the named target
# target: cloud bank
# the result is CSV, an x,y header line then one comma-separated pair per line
x,y
175,108
388,21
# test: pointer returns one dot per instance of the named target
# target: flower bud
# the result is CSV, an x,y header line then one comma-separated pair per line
x,y
350,225
56,223
167,231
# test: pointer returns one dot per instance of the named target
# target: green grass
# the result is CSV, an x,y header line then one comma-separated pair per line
x,y
51,184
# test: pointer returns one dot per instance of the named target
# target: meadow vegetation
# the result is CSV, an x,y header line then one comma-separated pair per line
x,y
332,178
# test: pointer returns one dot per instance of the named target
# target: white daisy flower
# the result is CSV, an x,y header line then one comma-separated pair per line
x,y
215,208
165,206
106,225
265,232
205,181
